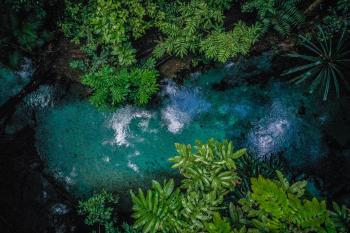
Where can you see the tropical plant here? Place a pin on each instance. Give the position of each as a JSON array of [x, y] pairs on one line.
[[341, 218], [218, 225], [159, 209], [211, 167], [126, 228], [183, 25], [209, 174], [221, 46], [198, 204], [343, 5], [251, 166], [327, 60], [22, 29], [98, 210], [336, 20], [114, 87], [109, 24], [277, 206], [281, 15]]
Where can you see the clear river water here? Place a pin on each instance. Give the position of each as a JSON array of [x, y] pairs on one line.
[[87, 149]]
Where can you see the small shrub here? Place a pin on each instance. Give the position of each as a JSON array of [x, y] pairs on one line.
[[115, 87], [277, 206], [98, 211]]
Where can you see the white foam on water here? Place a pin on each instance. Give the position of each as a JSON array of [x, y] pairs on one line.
[[184, 104], [69, 180], [74, 172], [271, 137], [175, 119], [229, 65], [120, 122], [41, 98], [133, 166], [135, 154], [106, 159]]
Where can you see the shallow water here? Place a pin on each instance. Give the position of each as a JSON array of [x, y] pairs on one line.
[[88, 149], [13, 81]]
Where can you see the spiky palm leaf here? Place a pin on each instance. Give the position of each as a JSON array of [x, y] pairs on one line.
[[326, 61], [158, 209]]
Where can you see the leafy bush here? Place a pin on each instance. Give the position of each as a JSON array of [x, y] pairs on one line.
[[251, 166], [335, 21], [184, 24], [343, 5], [210, 168], [277, 206], [219, 225], [109, 24], [209, 174], [114, 87], [106, 30], [22, 28], [341, 218], [281, 15], [98, 210], [221, 46], [327, 60], [159, 209]]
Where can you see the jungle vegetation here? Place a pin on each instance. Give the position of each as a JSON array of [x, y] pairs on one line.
[[119, 37], [110, 33], [124, 42], [211, 174], [24, 29]]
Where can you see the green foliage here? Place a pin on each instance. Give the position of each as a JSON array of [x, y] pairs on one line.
[[221, 46], [107, 29], [327, 60], [277, 206], [341, 218], [249, 166], [128, 229], [184, 24], [335, 21], [108, 24], [211, 167], [159, 209], [197, 205], [281, 15], [22, 28], [343, 5], [114, 87], [98, 210], [219, 225], [209, 174]]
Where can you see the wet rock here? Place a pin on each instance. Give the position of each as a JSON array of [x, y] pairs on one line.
[[173, 66]]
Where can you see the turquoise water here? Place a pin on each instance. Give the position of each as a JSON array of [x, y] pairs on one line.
[[88, 149], [13, 81]]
